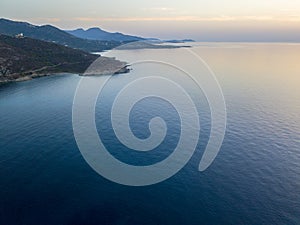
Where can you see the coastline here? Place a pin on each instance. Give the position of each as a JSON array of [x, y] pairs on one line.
[[106, 66], [101, 66], [33, 76]]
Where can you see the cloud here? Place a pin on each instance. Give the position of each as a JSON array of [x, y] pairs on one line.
[[293, 18], [160, 9], [177, 18]]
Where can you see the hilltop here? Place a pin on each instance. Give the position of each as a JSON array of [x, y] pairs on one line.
[[96, 33]]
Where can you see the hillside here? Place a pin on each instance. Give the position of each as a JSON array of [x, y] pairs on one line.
[[99, 34], [52, 34], [26, 57]]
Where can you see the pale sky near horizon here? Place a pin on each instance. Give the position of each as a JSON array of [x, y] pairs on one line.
[[256, 20]]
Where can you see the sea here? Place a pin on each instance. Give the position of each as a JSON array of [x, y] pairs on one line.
[[254, 178]]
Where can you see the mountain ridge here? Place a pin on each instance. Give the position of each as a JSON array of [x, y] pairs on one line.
[[96, 33], [53, 34]]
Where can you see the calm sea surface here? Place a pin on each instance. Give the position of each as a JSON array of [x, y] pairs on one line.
[[255, 178]]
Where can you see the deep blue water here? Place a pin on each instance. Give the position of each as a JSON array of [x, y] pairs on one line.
[[255, 179]]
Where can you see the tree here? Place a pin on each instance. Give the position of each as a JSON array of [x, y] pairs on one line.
[[4, 71]]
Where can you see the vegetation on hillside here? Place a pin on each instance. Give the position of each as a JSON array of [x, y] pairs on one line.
[[21, 57], [52, 34]]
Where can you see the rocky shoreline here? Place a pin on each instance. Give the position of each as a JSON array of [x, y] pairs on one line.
[[106, 66], [101, 66]]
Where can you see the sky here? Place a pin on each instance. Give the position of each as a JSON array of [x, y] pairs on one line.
[[202, 20]]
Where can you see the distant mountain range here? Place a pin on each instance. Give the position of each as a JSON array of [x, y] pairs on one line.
[[99, 34], [90, 40], [52, 34], [96, 33]]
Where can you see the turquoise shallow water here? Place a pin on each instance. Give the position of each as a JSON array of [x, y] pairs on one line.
[[255, 179]]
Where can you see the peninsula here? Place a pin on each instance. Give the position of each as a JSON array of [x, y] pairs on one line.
[[23, 58]]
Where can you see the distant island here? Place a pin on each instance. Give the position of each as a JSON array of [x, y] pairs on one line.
[[180, 41], [149, 45]]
